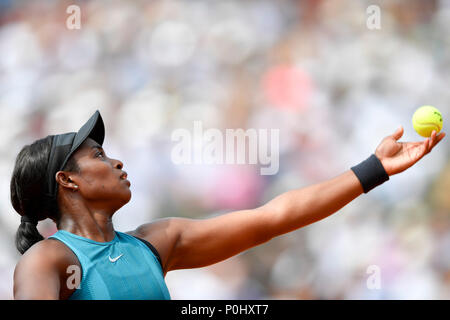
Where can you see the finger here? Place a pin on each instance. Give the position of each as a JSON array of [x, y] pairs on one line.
[[398, 133], [439, 137], [432, 140], [427, 145], [420, 150]]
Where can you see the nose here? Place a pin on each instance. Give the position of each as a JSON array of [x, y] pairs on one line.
[[118, 164]]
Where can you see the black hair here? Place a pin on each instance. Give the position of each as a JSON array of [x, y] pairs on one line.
[[29, 190]]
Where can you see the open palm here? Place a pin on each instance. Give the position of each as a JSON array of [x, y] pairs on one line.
[[399, 156]]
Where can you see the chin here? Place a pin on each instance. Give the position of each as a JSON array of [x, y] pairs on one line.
[[124, 197], [127, 197]]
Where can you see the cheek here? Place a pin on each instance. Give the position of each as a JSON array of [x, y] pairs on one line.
[[99, 179], [102, 184]]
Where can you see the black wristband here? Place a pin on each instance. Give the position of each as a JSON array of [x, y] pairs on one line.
[[370, 173]]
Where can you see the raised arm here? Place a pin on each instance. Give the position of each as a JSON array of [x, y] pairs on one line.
[[196, 243], [204, 242]]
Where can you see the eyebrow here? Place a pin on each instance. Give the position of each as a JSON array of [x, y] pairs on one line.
[[97, 147]]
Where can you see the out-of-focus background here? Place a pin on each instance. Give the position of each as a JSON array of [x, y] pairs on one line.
[[312, 69]]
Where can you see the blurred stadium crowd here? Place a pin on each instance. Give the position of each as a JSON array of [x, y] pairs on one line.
[[312, 69]]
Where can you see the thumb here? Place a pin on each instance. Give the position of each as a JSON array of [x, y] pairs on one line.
[[398, 133]]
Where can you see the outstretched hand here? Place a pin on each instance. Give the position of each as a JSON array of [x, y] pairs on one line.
[[398, 156]]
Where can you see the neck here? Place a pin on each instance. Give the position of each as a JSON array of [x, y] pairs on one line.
[[94, 224]]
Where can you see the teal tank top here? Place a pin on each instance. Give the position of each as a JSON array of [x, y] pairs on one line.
[[125, 268]]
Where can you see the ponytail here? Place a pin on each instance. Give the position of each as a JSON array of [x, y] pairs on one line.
[[27, 235], [28, 192]]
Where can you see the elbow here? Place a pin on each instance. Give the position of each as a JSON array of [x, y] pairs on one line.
[[269, 224]]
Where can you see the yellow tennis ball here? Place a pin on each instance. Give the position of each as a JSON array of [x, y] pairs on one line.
[[426, 119]]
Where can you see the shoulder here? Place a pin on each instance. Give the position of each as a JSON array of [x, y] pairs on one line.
[[160, 231], [47, 252], [47, 261], [158, 224]]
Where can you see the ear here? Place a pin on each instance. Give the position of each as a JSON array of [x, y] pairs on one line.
[[66, 180]]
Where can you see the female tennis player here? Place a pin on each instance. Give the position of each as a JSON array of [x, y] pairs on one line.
[[70, 179]]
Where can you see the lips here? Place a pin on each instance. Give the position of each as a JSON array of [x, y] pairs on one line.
[[123, 177]]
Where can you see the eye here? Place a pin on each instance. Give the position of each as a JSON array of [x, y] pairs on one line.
[[99, 154]]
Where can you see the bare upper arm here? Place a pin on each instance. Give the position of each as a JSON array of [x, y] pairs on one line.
[[41, 273], [192, 243], [203, 242]]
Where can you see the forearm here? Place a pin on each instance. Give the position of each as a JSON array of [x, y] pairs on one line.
[[298, 208]]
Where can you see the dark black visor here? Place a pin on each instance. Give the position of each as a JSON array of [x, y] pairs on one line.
[[64, 145]]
